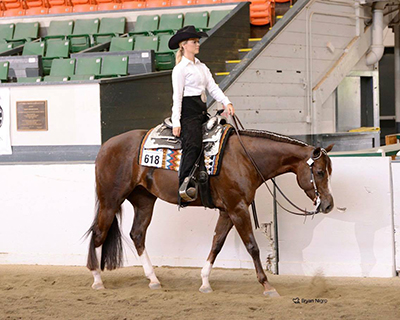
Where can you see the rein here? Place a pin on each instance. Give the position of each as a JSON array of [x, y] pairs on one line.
[[310, 162]]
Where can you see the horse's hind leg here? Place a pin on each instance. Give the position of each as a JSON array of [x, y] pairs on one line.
[[143, 203], [224, 225], [104, 224], [242, 222]]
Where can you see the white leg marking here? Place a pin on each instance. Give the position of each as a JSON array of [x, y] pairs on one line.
[[205, 274], [98, 283], [149, 271]]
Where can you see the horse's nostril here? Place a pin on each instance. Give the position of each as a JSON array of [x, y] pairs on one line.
[[328, 208]]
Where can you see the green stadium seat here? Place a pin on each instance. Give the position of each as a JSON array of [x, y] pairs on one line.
[[62, 67], [169, 23], [197, 19], [121, 44], [5, 47], [25, 32], [165, 57], [109, 28], [6, 31], [4, 65], [145, 25], [80, 38], [59, 29], [146, 43], [114, 66], [82, 77], [87, 66], [55, 78], [29, 79], [55, 49], [216, 16], [34, 48]]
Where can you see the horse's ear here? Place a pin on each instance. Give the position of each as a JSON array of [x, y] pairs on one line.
[[316, 152], [329, 148]]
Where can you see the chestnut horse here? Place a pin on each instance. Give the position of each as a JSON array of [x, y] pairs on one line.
[[120, 177]]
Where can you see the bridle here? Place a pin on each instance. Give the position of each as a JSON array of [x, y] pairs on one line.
[[310, 163]]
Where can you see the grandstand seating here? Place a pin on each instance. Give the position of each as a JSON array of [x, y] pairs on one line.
[[56, 48], [121, 44], [215, 17], [157, 3], [165, 57], [24, 32], [5, 47], [109, 27], [87, 67], [34, 48], [146, 43], [169, 23], [6, 31], [133, 5], [260, 12], [35, 7], [61, 70], [113, 66], [83, 29], [59, 29], [106, 5], [83, 6], [176, 3], [29, 79], [64, 38], [145, 24], [59, 6], [4, 67], [197, 19]]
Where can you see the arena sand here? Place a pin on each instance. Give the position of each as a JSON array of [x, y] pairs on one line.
[[51, 292]]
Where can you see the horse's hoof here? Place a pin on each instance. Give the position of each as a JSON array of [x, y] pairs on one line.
[[205, 289], [272, 293], [155, 285], [98, 286]]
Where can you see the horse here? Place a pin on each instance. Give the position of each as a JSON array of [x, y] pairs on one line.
[[120, 177]]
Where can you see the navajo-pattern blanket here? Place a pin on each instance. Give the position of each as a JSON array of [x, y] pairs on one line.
[[170, 158]]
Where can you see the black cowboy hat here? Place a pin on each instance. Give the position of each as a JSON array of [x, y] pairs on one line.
[[183, 34]]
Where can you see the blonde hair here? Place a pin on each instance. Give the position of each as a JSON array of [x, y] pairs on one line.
[[179, 53]]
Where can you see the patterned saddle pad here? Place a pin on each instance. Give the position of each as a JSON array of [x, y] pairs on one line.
[[160, 149]]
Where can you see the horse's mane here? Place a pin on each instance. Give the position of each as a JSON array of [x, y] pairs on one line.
[[272, 136]]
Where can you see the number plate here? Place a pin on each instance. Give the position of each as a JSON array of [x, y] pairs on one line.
[[152, 158]]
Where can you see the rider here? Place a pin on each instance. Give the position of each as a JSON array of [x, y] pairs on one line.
[[190, 79]]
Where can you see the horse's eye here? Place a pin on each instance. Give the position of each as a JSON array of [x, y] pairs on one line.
[[321, 173]]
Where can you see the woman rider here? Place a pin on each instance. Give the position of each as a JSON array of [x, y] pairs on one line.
[[190, 79]]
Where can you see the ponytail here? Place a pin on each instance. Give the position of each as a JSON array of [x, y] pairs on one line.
[[179, 53]]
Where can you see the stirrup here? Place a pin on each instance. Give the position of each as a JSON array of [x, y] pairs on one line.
[[183, 191]]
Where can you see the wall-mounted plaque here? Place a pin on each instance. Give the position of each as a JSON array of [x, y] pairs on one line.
[[32, 116]]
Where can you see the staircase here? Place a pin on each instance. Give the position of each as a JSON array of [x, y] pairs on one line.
[[286, 81]]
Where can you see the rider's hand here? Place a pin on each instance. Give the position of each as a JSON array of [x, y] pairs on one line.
[[176, 131], [230, 109]]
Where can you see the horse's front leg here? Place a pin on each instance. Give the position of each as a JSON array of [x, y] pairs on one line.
[[224, 225], [241, 220]]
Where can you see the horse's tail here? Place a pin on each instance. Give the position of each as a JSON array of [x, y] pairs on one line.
[[111, 252]]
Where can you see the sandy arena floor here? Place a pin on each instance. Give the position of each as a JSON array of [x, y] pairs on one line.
[[51, 292]]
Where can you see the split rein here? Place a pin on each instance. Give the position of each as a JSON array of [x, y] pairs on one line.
[[310, 162]]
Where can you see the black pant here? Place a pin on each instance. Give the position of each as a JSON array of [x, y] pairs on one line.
[[193, 115]]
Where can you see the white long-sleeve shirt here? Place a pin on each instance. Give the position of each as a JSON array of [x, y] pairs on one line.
[[192, 79]]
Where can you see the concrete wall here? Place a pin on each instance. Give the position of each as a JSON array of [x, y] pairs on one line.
[[45, 210], [73, 114], [396, 210], [357, 242]]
